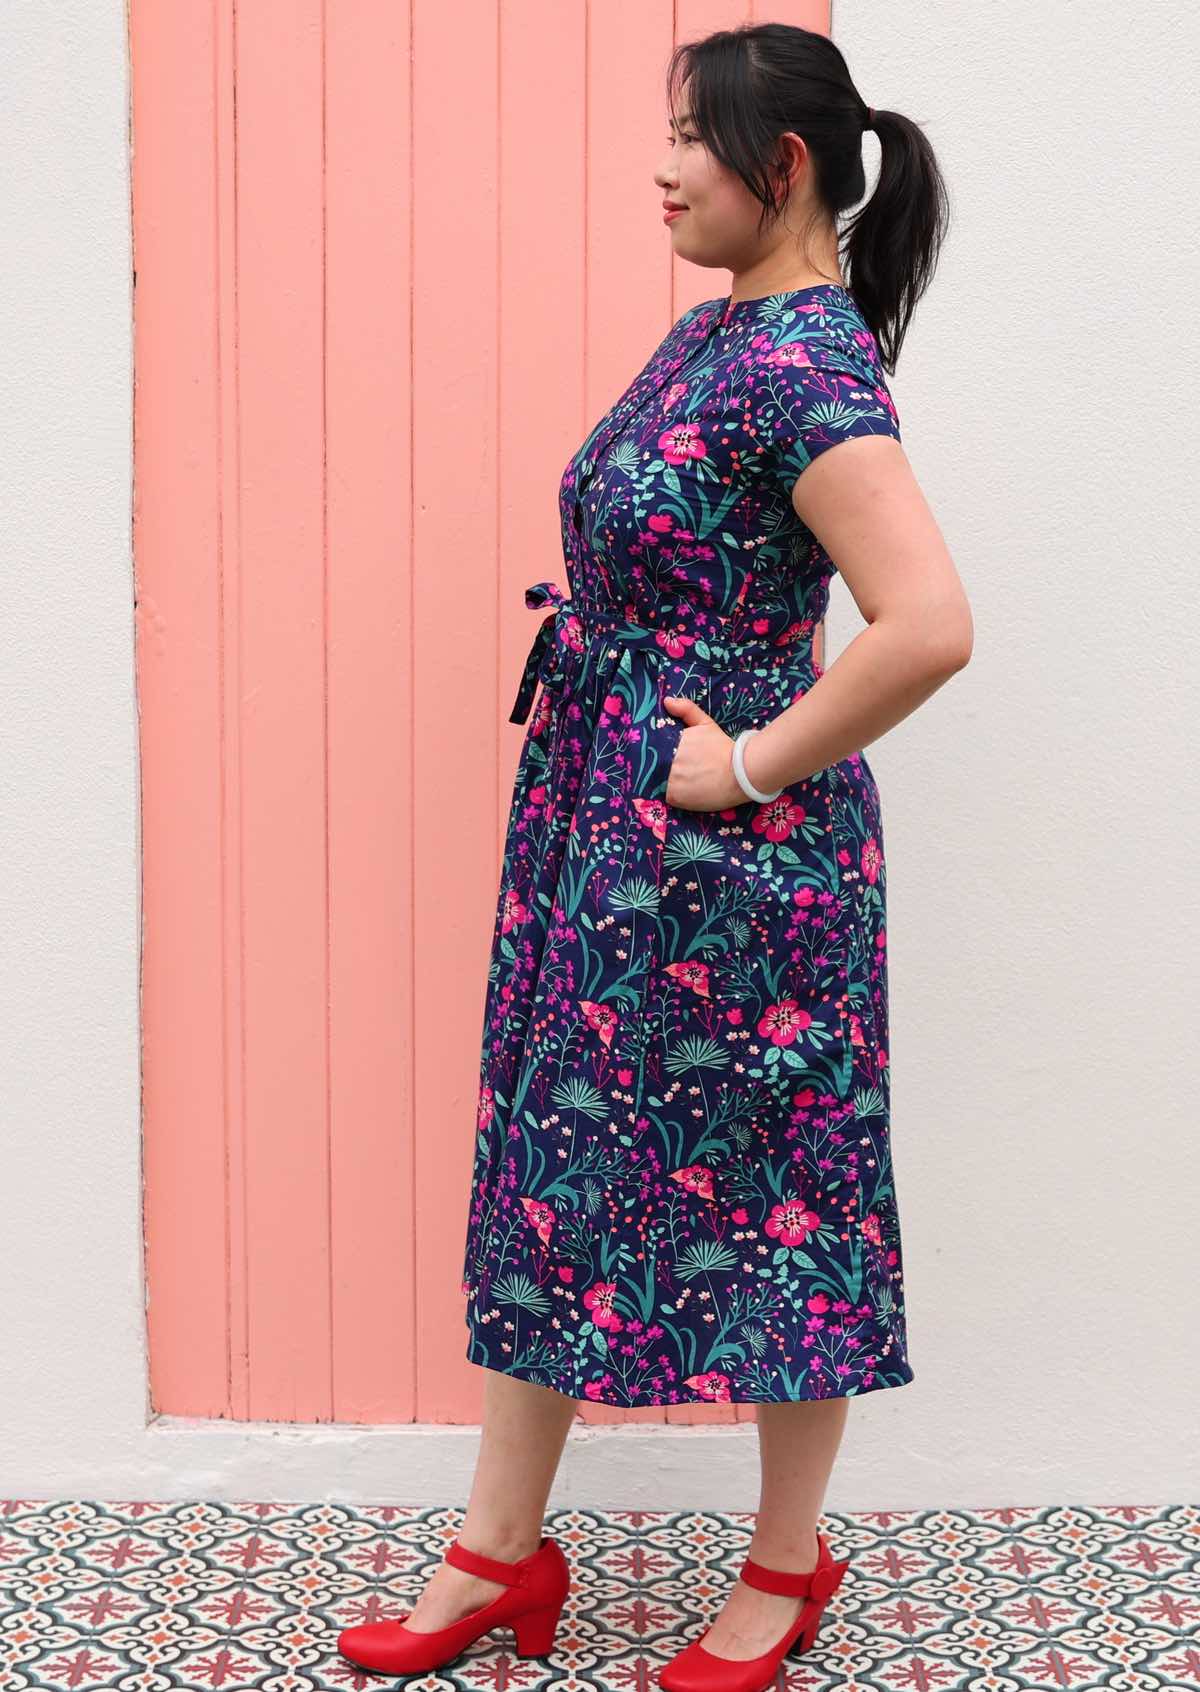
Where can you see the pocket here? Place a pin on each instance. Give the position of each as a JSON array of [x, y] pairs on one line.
[[663, 733]]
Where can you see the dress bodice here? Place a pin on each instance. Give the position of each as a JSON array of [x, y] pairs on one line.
[[680, 495]]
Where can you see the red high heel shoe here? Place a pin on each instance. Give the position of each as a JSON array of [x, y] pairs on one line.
[[696, 1670], [537, 1589]]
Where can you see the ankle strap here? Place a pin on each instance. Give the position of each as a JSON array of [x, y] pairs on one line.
[[487, 1568], [817, 1582]]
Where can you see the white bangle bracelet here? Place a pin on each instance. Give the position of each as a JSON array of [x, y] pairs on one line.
[[739, 770]]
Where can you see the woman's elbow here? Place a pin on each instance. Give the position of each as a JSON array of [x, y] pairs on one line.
[[963, 642], [948, 638]]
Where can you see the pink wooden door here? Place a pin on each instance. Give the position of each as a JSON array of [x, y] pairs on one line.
[[360, 249]]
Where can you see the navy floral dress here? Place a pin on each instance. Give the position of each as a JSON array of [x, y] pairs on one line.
[[682, 1187]]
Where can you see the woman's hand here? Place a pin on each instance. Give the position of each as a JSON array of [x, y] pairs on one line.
[[701, 776]]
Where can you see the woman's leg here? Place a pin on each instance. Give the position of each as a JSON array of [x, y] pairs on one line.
[[797, 1445], [524, 1430]]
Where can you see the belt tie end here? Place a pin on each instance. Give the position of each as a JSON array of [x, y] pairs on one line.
[[540, 593], [529, 675]]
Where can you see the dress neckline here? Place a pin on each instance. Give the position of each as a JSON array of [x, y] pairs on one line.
[[729, 309]]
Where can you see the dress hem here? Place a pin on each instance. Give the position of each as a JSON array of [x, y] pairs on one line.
[[903, 1378]]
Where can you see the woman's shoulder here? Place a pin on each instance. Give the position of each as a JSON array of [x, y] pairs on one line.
[[822, 382], [836, 336]]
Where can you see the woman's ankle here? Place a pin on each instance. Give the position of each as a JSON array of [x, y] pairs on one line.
[[506, 1545], [798, 1554]]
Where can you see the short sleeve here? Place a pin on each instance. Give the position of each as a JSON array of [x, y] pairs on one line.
[[818, 396]]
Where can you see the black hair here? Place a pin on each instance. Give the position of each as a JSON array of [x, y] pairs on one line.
[[747, 86]]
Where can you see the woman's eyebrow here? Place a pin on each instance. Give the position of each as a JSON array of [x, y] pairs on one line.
[[684, 122]]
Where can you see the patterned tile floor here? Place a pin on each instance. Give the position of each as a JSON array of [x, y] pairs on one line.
[[144, 1597]]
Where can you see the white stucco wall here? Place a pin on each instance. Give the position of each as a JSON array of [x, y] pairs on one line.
[[1039, 812]]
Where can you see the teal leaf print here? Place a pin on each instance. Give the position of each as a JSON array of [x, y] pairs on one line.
[[831, 414], [625, 458], [692, 846], [705, 1257], [579, 1094], [523, 1292], [635, 894], [696, 1052]]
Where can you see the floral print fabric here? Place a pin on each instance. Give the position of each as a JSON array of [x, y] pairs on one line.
[[683, 1188]]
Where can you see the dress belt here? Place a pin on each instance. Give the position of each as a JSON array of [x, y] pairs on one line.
[[595, 628]]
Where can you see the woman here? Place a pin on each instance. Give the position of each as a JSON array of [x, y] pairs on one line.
[[683, 1185]]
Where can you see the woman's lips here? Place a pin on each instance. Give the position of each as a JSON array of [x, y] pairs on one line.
[[673, 213]]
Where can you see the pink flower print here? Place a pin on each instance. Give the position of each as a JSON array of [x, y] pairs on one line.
[[595, 1389], [566, 1273], [783, 1021], [856, 1030], [791, 1223], [734, 1016], [540, 1216], [673, 643], [694, 1178], [612, 704], [600, 1017], [870, 1228], [795, 353], [818, 1304], [513, 913], [487, 1108], [682, 442], [872, 860], [572, 631], [625, 1076], [653, 813], [779, 818], [714, 1386], [660, 524], [674, 393], [542, 712], [599, 1300], [740, 1215], [692, 974]]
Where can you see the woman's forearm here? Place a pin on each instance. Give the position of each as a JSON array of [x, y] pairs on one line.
[[884, 673]]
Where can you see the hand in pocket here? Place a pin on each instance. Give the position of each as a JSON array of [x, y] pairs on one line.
[[701, 777]]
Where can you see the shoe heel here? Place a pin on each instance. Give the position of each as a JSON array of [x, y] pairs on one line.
[[535, 1630], [816, 1608], [808, 1635]]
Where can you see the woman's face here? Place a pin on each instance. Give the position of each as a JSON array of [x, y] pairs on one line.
[[720, 225], [720, 217]]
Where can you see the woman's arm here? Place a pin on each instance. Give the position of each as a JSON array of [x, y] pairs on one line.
[[864, 505], [861, 500]]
